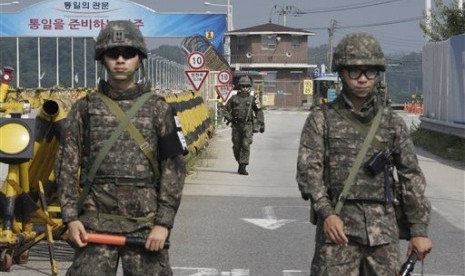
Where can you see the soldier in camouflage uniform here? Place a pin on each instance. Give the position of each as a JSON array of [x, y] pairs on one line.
[[127, 196], [240, 111], [363, 238]]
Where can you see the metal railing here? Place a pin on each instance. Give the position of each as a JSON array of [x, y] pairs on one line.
[[266, 58]]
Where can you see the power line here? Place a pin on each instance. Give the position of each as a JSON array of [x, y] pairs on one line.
[[383, 23], [350, 7], [370, 25]]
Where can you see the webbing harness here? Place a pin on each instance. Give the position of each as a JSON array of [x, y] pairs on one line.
[[125, 123], [369, 135]]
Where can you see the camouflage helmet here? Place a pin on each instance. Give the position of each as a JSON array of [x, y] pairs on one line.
[[244, 80], [119, 33], [358, 49]]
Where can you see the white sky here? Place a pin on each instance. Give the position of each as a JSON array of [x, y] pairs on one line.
[[378, 17]]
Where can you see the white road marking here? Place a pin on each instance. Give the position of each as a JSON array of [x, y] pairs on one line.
[[270, 222]]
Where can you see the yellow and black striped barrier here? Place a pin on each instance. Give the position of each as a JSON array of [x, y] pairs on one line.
[[193, 114]]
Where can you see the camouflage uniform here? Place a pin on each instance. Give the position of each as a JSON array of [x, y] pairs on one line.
[[328, 147], [240, 111], [125, 185]]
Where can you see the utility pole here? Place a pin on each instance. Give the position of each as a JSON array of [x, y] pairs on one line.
[[331, 29], [428, 14], [285, 11]]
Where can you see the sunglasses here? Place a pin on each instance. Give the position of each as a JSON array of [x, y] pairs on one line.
[[125, 52], [244, 86], [356, 73]]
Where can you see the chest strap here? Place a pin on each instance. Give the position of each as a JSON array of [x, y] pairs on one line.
[[124, 123], [359, 126], [358, 162], [133, 131]]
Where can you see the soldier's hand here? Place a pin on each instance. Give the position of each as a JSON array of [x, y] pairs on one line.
[[422, 245], [333, 228], [262, 128], [156, 238], [77, 232]]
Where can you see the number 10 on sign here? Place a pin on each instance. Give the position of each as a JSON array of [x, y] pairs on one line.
[[196, 60]]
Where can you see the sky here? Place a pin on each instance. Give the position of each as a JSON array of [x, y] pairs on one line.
[[395, 23]]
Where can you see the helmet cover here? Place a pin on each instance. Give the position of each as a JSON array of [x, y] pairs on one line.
[[119, 33], [358, 49]]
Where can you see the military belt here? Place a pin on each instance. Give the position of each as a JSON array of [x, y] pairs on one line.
[[124, 181], [118, 217]]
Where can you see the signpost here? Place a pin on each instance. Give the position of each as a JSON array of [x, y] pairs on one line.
[[224, 91], [196, 77], [196, 60], [224, 77]]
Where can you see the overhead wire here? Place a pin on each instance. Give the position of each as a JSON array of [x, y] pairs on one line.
[[349, 7]]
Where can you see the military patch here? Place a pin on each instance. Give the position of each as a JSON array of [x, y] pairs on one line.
[[257, 102], [117, 36]]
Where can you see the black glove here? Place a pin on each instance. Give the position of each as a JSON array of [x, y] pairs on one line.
[[262, 128], [305, 196]]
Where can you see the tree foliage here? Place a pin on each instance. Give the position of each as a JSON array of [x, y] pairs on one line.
[[444, 22]]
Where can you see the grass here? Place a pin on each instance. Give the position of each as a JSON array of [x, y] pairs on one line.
[[449, 147]]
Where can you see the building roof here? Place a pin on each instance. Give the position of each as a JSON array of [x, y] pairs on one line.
[[270, 28]]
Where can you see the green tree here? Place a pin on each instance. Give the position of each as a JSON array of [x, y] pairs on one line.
[[444, 22]]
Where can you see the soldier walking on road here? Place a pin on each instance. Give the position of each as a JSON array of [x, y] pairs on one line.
[[240, 111], [357, 165], [123, 145]]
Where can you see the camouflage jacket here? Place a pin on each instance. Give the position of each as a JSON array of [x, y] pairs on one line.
[[243, 107], [124, 184], [369, 219]]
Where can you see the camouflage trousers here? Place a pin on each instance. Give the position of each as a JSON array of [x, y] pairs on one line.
[[355, 260], [242, 135], [102, 260]]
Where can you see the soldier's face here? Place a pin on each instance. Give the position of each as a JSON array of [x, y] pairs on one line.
[[360, 80], [122, 63], [245, 88]]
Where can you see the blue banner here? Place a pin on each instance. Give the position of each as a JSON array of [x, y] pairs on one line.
[[61, 18]]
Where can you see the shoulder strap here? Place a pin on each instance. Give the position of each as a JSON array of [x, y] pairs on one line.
[[363, 129], [252, 99], [125, 123], [358, 161], [133, 131]]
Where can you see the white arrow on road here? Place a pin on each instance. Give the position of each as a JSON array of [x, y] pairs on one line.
[[270, 222]]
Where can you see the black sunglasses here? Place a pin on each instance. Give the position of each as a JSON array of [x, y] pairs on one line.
[[244, 86], [125, 52], [356, 73]]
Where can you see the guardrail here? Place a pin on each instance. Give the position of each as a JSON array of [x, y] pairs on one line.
[[443, 127]]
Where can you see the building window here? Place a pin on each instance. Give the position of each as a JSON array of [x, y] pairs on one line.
[[296, 41], [242, 43], [269, 80], [269, 42], [295, 75]]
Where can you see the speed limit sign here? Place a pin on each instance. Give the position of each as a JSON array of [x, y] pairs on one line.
[[224, 77], [196, 60]]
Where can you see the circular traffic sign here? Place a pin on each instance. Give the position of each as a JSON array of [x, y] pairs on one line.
[[224, 77], [196, 60]]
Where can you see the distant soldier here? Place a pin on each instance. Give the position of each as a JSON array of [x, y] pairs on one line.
[[345, 166], [240, 111], [120, 145]]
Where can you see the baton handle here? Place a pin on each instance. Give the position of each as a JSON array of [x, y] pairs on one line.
[[118, 240]]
